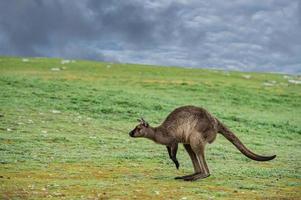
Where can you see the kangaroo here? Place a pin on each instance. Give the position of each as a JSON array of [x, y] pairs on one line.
[[194, 127]]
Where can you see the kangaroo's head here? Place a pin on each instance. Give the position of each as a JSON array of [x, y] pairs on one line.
[[141, 130]]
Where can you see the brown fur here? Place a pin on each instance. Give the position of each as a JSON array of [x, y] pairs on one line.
[[194, 127]]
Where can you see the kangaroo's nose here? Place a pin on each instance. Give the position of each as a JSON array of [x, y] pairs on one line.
[[131, 134]]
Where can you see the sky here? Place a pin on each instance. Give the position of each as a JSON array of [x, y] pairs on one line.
[[245, 35]]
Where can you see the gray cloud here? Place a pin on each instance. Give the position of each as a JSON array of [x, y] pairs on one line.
[[248, 35]]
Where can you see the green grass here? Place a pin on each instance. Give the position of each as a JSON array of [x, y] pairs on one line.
[[64, 134]]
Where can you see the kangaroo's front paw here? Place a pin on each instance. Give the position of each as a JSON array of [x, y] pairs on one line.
[[176, 163]]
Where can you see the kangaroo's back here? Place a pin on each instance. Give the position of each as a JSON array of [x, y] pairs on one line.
[[188, 114], [188, 119]]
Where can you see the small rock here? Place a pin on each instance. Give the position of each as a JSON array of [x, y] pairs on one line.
[[55, 69], [157, 192], [56, 111], [246, 76], [65, 62], [286, 77], [58, 194], [25, 59], [8, 129], [268, 84], [284, 84], [294, 81]]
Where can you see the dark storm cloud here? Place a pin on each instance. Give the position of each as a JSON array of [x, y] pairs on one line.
[[241, 34]]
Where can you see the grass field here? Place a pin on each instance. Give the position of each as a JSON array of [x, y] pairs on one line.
[[64, 131]]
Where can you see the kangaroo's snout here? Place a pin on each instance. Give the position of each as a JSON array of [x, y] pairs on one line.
[[131, 133]]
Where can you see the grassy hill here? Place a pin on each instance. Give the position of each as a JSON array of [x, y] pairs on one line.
[[64, 131]]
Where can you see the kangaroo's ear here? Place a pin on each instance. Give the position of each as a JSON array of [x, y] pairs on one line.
[[143, 122]]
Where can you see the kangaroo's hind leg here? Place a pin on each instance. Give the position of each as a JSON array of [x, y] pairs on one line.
[[194, 160], [198, 148]]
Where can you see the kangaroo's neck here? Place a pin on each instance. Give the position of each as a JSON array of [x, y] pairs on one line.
[[158, 135]]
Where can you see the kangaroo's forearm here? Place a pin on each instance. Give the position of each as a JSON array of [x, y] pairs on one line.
[[172, 152]]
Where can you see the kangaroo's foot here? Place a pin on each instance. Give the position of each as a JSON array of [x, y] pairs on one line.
[[187, 176], [196, 177]]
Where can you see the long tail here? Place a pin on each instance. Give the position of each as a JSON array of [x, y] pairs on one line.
[[239, 145]]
